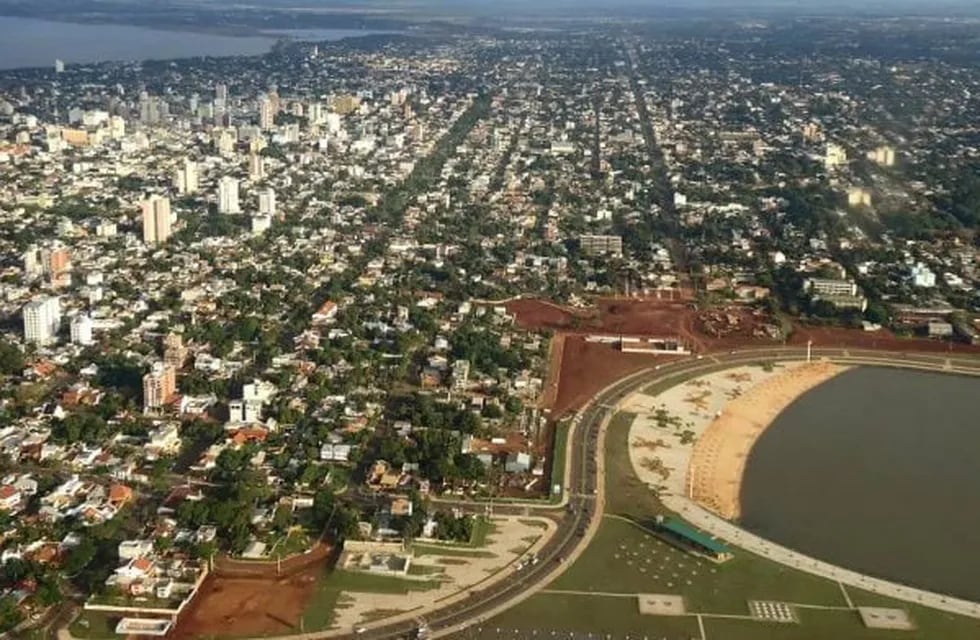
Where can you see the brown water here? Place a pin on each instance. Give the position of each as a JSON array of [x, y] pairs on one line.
[[877, 470]]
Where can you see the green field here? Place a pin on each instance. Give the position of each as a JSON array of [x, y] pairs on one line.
[[623, 558], [558, 459], [595, 593], [94, 625], [585, 614], [320, 611]]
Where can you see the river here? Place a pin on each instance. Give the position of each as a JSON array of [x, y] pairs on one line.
[[876, 471], [26, 42]]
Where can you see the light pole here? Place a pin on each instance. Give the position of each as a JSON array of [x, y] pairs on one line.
[[809, 345]]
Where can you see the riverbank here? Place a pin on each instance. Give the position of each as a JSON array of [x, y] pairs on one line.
[[718, 460]]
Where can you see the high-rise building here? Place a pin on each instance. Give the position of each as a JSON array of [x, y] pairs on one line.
[[58, 266], [221, 91], [174, 351], [117, 127], [267, 114], [52, 262], [81, 329], [256, 167], [185, 178], [33, 263], [225, 142], [42, 319], [150, 112], [316, 113], [228, 195], [275, 99], [59, 66], [159, 385], [156, 220], [267, 202]]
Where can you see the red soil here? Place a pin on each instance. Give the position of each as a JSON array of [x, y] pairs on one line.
[[233, 603]]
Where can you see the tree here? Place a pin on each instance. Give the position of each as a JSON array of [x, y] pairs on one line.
[[11, 359], [10, 614]]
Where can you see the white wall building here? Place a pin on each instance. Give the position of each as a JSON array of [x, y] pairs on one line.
[[267, 202], [81, 329], [157, 222], [228, 195], [923, 276], [185, 178], [836, 156], [42, 319]]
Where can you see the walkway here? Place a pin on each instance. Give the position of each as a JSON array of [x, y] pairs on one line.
[[725, 530]]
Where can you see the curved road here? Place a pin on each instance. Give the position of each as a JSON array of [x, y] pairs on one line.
[[581, 510], [580, 516]]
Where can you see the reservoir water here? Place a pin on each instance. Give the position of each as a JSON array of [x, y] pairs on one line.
[[26, 42], [877, 471]]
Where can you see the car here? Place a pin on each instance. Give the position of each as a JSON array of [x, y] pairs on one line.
[[360, 630]]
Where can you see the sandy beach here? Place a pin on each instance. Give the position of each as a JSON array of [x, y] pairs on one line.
[[714, 476]]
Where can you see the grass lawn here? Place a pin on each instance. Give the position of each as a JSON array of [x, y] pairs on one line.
[[631, 496], [817, 624], [298, 541], [94, 625], [558, 459], [625, 559], [482, 527], [449, 551], [320, 610], [585, 614]]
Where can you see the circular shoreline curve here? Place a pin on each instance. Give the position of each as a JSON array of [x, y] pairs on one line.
[[680, 501]]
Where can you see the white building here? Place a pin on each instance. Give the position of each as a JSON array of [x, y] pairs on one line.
[[157, 223], [185, 178], [228, 195], [42, 318], [256, 167], [836, 156], [244, 411], [858, 196], [260, 224], [923, 276], [105, 229], [81, 329], [884, 156], [267, 202], [831, 287], [267, 113]]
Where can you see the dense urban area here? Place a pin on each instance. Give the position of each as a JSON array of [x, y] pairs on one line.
[[313, 303]]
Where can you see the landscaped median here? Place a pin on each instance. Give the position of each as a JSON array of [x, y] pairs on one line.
[[438, 573]]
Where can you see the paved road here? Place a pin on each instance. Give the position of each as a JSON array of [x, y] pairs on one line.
[[579, 513]]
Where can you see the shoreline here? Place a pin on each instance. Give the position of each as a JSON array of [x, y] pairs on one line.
[[718, 458]]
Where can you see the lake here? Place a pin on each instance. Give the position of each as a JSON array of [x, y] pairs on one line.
[[27, 42], [877, 471]]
